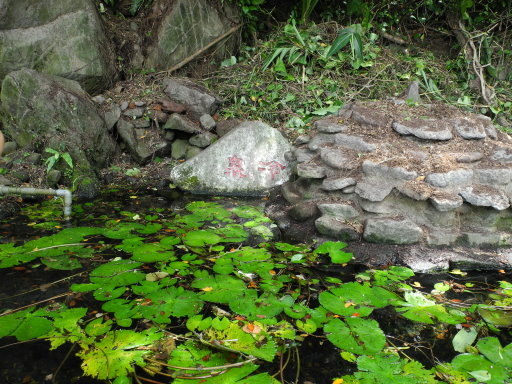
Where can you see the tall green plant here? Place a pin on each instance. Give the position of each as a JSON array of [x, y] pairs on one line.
[[350, 35], [307, 7]]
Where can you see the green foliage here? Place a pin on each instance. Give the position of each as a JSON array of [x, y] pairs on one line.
[[307, 7], [183, 296], [55, 158], [350, 35], [356, 335], [390, 368], [492, 364], [251, 10], [334, 250]]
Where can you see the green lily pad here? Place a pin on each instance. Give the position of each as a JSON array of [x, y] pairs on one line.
[[201, 238], [356, 335], [117, 273], [152, 252]]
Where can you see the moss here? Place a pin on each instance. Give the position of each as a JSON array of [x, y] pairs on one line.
[[504, 224], [191, 182]]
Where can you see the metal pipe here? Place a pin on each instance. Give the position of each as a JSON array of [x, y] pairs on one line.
[[40, 191]]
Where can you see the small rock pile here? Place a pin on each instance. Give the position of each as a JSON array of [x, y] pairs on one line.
[[394, 173], [180, 125]]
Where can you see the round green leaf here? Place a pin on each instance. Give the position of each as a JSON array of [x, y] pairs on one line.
[[356, 335]]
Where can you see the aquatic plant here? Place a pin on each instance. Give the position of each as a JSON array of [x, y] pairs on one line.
[[187, 297]]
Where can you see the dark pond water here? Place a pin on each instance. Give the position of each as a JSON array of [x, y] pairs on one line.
[[313, 361]]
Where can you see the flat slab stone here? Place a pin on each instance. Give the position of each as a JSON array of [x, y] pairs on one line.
[[197, 98], [469, 157], [373, 190], [353, 142], [329, 125], [485, 196], [207, 122], [392, 231], [321, 140], [338, 229], [445, 201], [249, 160], [337, 183], [438, 237], [180, 123], [134, 112], [341, 211], [428, 129], [141, 147], [395, 173], [493, 176], [365, 115], [469, 129], [304, 210], [349, 189], [502, 155], [339, 158], [311, 170], [416, 190], [303, 155], [453, 178], [203, 139], [491, 132]]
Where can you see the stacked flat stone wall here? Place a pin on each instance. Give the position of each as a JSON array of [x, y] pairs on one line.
[[393, 173]]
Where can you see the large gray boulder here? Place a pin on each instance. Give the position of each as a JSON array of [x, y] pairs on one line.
[[43, 111], [249, 160], [59, 37], [185, 27]]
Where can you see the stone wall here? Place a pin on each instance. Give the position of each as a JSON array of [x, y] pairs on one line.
[[393, 173]]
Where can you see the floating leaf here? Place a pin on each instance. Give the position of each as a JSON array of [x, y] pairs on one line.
[[421, 309], [391, 369], [153, 252], [62, 262], [236, 339], [105, 293], [201, 238], [117, 273], [32, 327], [189, 354], [334, 250], [98, 327], [464, 338], [491, 348], [361, 299], [122, 230], [171, 301], [356, 335], [232, 233], [224, 288], [116, 353], [266, 306], [150, 228]]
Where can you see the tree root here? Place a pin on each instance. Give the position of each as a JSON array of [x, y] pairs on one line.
[[472, 54]]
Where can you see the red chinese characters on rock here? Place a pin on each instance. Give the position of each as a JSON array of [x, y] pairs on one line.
[[236, 167], [273, 167]]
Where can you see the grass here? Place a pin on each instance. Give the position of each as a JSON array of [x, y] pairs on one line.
[[305, 84]]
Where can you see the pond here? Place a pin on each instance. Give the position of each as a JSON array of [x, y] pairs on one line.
[[139, 289]]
